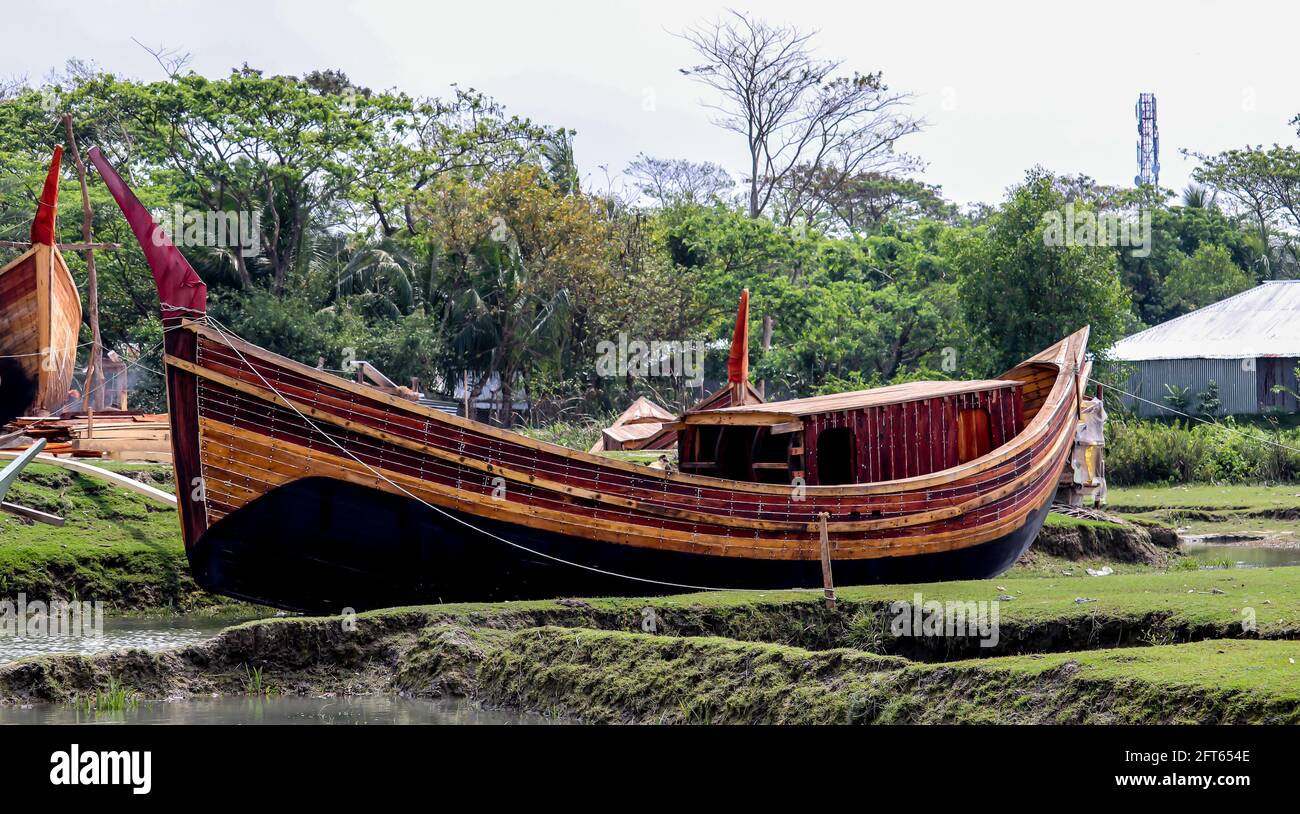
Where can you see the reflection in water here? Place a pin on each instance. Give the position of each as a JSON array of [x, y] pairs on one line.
[[1245, 556], [366, 709], [119, 634]]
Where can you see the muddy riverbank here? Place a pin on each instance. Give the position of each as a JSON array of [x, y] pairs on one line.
[[1183, 654]]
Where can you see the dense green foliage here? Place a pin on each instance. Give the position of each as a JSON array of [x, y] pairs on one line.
[[439, 238], [1159, 452]]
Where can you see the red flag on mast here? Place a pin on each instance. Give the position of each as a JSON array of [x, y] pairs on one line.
[[738, 359], [182, 292], [43, 226]]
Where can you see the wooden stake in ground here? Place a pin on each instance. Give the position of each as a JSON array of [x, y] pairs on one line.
[[828, 584], [93, 364]]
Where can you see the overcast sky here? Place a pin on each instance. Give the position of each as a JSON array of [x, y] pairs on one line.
[[1002, 90]]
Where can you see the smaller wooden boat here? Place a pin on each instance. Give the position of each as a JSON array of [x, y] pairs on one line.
[[40, 318]]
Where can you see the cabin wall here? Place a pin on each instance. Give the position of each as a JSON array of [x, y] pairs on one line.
[[913, 438]]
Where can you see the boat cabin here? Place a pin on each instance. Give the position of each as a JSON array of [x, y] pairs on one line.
[[887, 433]]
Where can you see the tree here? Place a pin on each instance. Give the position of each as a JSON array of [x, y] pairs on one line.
[[792, 109], [1177, 233], [676, 180], [1197, 196], [1264, 185], [1020, 293], [520, 264], [1206, 277], [863, 202]]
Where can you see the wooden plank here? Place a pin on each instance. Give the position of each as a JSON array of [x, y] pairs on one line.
[[614, 532], [10, 474], [32, 514], [102, 474], [67, 247], [828, 583]]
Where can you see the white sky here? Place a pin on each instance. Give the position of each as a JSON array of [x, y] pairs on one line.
[[1002, 90]]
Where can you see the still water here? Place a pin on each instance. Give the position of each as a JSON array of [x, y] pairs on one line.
[[119, 634], [358, 710], [160, 634], [1244, 556]]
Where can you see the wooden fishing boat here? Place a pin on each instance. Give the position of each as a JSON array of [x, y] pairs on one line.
[[307, 491], [40, 317]]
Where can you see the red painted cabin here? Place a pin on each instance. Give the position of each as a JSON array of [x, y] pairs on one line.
[[888, 433]]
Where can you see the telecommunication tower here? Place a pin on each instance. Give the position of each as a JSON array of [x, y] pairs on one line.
[[1148, 146]]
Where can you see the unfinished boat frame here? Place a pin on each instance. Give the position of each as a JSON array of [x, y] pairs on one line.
[[307, 491]]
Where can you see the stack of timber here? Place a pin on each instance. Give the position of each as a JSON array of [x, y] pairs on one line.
[[113, 435]]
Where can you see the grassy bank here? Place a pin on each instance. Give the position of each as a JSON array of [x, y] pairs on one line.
[[116, 546], [1270, 511], [501, 657], [628, 677]]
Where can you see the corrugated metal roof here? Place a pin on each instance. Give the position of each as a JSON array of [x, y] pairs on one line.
[[1261, 321]]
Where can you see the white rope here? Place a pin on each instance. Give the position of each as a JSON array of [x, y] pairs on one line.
[[137, 363], [1166, 408], [377, 473], [39, 353]]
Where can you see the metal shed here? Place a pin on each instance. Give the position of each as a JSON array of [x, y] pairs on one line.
[[1246, 344]]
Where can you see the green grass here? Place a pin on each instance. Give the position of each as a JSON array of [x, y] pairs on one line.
[[1206, 496], [1066, 521], [620, 676], [1187, 598], [1046, 565], [640, 456], [1271, 667], [114, 697], [1213, 509], [116, 546]]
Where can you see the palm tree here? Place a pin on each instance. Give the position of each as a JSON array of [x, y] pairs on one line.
[[496, 320], [383, 274], [1198, 196], [561, 165]]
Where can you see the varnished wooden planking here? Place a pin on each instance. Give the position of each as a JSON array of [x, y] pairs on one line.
[[40, 316], [267, 361], [999, 490], [725, 523], [289, 464]]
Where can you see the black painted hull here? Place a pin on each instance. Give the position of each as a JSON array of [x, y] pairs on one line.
[[17, 391], [320, 545]]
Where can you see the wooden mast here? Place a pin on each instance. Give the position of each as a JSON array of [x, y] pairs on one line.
[[93, 364]]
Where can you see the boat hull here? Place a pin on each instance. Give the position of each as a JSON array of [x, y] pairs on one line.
[[40, 317], [300, 489], [309, 493], [319, 545]]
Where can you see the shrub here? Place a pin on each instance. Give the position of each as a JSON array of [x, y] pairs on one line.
[[1175, 452]]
